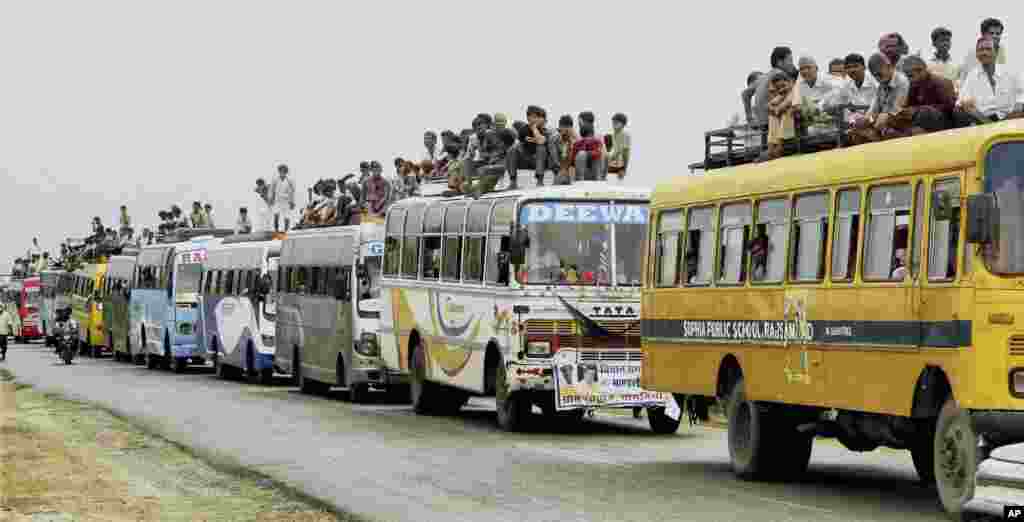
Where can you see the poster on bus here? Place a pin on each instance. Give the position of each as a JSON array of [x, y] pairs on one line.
[[598, 384]]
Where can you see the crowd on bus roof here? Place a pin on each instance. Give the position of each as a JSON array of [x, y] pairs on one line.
[[891, 94]]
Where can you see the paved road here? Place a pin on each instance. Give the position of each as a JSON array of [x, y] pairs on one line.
[[384, 461]]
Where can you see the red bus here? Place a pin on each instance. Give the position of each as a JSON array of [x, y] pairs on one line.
[[28, 308]]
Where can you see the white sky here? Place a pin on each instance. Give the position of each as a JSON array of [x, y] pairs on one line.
[[111, 102]]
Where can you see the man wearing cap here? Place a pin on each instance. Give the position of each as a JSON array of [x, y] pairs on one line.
[[941, 63], [989, 92], [813, 88], [891, 97], [282, 194]]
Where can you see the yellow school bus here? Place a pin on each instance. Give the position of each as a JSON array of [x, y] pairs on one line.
[[869, 294]]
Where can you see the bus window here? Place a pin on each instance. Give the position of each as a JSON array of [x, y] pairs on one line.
[[885, 256], [700, 256], [432, 242], [945, 234], [452, 255], [229, 282], [845, 240], [768, 251], [734, 235], [917, 240], [496, 267], [286, 280], [393, 242], [316, 281], [670, 231], [301, 279], [810, 234], [411, 242], [476, 228]]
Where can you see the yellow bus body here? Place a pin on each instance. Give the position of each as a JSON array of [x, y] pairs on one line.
[[972, 327]]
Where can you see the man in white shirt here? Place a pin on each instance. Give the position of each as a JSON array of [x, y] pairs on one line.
[[857, 93], [989, 92], [993, 29], [941, 63], [814, 88], [890, 98], [282, 198]]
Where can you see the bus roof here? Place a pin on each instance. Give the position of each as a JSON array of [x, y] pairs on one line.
[[252, 254], [267, 235], [121, 266], [585, 190], [936, 152]]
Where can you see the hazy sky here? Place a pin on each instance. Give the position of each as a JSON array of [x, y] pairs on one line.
[[111, 102]]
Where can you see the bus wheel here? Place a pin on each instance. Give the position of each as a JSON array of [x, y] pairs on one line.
[[514, 408], [358, 393], [956, 457], [267, 376], [922, 452], [424, 394], [151, 361], [305, 384], [660, 422], [180, 364], [749, 440]]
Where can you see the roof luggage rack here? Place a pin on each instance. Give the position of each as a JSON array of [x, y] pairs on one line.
[[185, 234], [267, 235], [742, 144]]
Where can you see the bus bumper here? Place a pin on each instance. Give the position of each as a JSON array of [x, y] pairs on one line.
[[999, 427], [377, 376], [188, 351], [536, 377]]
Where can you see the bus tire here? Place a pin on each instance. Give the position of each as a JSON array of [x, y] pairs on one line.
[[305, 384], [423, 393], [922, 452], [358, 393], [166, 360], [514, 408], [251, 375], [955, 453], [267, 376], [750, 448], [151, 361], [180, 364], [660, 422]]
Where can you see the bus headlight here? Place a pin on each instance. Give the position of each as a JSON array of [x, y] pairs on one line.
[[538, 349], [185, 329], [368, 345], [1017, 382]]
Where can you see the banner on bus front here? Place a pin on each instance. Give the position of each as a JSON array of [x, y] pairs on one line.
[[600, 384]]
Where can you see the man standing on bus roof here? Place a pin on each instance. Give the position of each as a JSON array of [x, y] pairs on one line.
[[208, 210], [622, 144], [282, 198], [197, 217]]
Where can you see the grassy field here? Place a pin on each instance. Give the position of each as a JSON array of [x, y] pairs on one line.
[[63, 460]]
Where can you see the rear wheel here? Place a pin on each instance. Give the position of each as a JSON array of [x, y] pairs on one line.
[[660, 422], [305, 384], [358, 393], [180, 365], [955, 452], [152, 361], [424, 394], [760, 444]]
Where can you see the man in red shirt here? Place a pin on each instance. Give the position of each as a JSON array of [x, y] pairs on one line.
[[587, 152], [930, 103]]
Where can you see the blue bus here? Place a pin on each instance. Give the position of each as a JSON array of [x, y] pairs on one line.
[[165, 305]]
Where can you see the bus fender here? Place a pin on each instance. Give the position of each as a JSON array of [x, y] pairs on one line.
[[930, 392], [729, 371]]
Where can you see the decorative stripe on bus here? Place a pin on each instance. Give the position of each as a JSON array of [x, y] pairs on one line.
[[941, 334]]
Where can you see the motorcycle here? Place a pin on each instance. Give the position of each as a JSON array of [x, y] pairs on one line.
[[67, 343]]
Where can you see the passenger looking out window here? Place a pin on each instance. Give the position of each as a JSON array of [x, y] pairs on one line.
[[887, 232]]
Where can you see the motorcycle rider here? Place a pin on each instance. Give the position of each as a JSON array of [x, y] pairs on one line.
[[66, 325]]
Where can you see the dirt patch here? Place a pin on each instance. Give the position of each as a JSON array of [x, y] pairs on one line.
[[62, 460]]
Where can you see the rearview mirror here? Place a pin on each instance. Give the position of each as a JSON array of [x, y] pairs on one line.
[[942, 206], [517, 247], [982, 218]]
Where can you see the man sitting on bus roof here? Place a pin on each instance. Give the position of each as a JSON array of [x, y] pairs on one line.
[[990, 92], [854, 95], [198, 217], [891, 96], [930, 103], [243, 225], [537, 148]]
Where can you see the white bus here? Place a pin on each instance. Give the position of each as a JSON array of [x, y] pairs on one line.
[[238, 305], [531, 296], [329, 310]]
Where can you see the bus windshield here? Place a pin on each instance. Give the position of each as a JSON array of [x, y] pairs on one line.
[[571, 243], [369, 286], [1004, 176]]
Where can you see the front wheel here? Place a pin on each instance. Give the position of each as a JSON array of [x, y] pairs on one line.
[[660, 421], [956, 457], [514, 408]]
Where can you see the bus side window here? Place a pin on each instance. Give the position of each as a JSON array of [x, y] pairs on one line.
[[733, 238], [451, 257], [944, 231], [411, 242], [670, 233], [887, 233], [393, 242], [432, 227], [810, 235], [315, 281], [700, 255], [301, 280], [768, 248], [845, 240], [229, 282]]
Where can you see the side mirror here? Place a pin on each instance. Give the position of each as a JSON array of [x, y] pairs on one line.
[[982, 218], [942, 206], [518, 245]]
